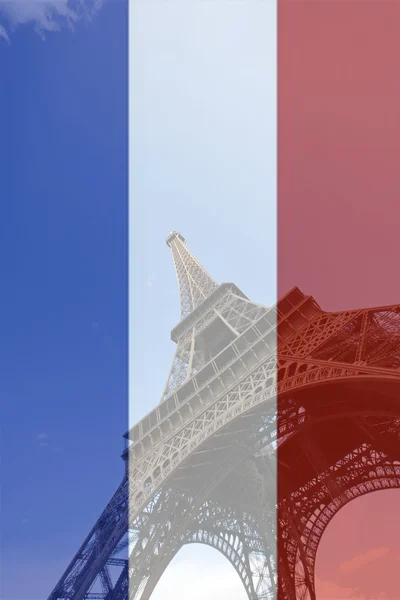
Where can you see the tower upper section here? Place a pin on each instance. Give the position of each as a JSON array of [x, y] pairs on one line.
[[195, 283]]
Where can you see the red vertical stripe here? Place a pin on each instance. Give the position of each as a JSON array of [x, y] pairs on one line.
[[339, 149], [339, 203]]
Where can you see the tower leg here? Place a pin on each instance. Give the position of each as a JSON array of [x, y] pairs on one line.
[[234, 535]]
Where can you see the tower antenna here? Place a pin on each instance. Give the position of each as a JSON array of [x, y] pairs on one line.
[[195, 283]]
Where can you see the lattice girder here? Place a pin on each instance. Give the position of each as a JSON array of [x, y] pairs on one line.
[[235, 311], [232, 531], [195, 284], [249, 400]]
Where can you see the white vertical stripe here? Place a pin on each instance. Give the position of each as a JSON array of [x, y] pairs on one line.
[[202, 161]]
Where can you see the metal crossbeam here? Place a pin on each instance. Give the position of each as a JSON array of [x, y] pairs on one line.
[[250, 388]]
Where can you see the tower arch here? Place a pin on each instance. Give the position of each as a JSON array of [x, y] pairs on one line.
[[359, 546], [346, 446], [202, 572], [251, 388]]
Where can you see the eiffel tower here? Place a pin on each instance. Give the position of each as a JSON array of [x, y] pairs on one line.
[[271, 420]]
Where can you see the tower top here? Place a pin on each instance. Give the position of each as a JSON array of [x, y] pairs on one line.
[[195, 283], [172, 236]]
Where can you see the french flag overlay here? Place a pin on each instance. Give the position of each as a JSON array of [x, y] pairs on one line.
[[202, 357]]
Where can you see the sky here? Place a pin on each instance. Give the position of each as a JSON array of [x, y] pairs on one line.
[[198, 161], [202, 160], [64, 384], [338, 215]]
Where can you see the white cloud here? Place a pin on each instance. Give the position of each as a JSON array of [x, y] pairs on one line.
[[199, 572], [150, 280], [45, 15], [363, 560], [4, 34], [329, 590], [42, 439]]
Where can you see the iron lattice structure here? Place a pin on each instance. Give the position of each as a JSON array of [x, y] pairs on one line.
[[251, 388]]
